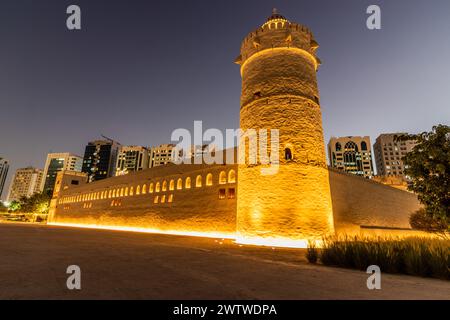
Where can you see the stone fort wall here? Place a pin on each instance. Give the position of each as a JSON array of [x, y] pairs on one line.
[[182, 198], [361, 205], [133, 201]]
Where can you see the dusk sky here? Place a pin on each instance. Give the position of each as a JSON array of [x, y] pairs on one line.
[[140, 69]]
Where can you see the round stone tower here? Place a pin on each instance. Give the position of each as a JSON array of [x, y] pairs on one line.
[[292, 204]]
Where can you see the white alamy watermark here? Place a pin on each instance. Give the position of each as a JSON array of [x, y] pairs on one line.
[[73, 21], [256, 147], [374, 280], [74, 280], [373, 22]]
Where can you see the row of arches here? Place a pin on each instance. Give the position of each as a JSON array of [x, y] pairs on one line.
[[351, 146], [153, 187]]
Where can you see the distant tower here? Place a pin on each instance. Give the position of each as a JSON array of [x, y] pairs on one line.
[[279, 91]]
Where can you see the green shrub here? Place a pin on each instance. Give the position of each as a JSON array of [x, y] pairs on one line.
[[414, 256], [312, 253]]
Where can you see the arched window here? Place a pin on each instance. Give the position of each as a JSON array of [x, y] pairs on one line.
[[209, 179], [144, 189], [351, 146], [170, 198], [187, 184], [121, 192], [352, 160], [222, 177], [164, 186], [163, 198], [180, 184], [338, 146], [126, 192], [232, 176], [150, 188], [171, 185], [114, 193], [158, 187], [155, 199], [131, 191], [364, 146], [138, 190], [198, 181], [287, 154]]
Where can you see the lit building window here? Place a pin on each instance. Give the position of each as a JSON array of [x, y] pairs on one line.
[[156, 199], [158, 187], [170, 198], [163, 198], [209, 179], [150, 188], [180, 184], [131, 191], [126, 192], [231, 193], [171, 185], [198, 181], [144, 189], [222, 177], [188, 183], [121, 192], [164, 186], [222, 194], [138, 190], [232, 176]]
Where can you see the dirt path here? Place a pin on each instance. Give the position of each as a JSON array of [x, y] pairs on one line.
[[125, 265]]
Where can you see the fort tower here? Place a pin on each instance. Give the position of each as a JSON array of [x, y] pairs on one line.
[[279, 91]]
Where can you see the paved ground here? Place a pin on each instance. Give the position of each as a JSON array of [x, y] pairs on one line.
[[125, 265]]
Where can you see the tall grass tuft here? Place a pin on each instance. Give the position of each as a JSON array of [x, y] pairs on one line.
[[414, 256], [312, 253]]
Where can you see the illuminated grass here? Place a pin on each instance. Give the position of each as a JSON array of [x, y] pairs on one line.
[[413, 256]]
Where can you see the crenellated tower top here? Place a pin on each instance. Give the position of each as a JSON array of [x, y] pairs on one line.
[[278, 32]]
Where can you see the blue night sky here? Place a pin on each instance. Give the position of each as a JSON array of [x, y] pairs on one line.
[[140, 69]]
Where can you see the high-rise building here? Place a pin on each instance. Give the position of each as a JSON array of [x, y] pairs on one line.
[[58, 162], [4, 167], [200, 150], [161, 155], [26, 182], [389, 153], [100, 157], [352, 155], [132, 158]]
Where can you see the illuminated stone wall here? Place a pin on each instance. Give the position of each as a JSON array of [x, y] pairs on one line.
[[124, 201], [279, 91], [361, 202]]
